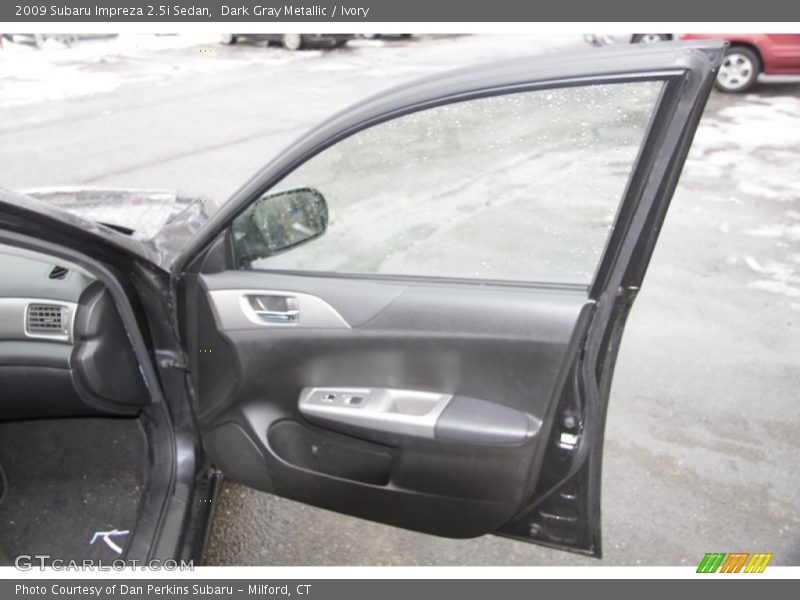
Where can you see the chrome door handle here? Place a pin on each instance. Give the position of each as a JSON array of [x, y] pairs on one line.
[[275, 308], [277, 316]]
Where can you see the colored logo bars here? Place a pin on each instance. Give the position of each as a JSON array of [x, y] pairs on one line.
[[735, 562]]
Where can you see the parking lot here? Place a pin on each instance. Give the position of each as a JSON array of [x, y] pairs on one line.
[[703, 432]]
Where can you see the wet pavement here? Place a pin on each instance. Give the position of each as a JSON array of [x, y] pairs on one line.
[[703, 431]]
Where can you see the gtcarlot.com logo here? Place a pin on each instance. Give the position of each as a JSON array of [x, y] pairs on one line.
[[28, 562], [735, 562]]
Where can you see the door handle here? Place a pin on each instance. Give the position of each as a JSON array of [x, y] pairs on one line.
[[275, 308], [278, 316], [239, 309]]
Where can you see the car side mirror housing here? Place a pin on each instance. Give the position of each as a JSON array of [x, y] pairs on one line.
[[278, 222]]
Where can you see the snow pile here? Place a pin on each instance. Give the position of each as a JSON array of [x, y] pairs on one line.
[[60, 71]]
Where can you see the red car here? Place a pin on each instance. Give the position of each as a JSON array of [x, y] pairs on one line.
[[751, 54]]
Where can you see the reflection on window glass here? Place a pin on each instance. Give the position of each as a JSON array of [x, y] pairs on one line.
[[517, 187]]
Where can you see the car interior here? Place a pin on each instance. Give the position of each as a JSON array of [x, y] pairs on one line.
[[73, 448], [388, 401], [420, 404]]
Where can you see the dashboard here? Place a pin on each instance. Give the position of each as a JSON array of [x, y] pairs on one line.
[[63, 348], [38, 298]]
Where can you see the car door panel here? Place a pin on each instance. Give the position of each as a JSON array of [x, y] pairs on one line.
[[499, 351]]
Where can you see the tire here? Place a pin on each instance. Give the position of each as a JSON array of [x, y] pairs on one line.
[[227, 39], [292, 41], [739, 70], [650, 38]]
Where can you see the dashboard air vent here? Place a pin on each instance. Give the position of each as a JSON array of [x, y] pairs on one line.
[[46, 319], [58, 273]]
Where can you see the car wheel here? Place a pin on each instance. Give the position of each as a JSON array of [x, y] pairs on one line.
[[739, 70], [650, 38], [292, 41], [227, 38]]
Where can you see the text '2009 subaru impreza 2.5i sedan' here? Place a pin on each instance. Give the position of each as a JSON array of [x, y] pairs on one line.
[[411, 315]]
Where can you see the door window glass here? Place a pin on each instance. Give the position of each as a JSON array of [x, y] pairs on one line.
[[523, 186]]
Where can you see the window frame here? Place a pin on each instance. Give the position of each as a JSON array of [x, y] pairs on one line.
[[625, 207]]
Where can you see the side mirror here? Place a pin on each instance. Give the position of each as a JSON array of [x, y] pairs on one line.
[[277, 222]]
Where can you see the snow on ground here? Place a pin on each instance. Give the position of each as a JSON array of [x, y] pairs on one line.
[[58, 71], [746, 153]]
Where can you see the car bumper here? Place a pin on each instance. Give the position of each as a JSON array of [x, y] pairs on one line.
[[325, 39]]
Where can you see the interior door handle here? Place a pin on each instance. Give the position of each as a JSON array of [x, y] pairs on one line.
[[277, 316], [242, 309], [275, 308]]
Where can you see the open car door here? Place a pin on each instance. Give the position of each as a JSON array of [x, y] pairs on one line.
[[412, 314]]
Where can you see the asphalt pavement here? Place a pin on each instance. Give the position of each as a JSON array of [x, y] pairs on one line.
[[703, 433]]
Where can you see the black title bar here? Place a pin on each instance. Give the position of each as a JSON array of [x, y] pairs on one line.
[[467, 11]]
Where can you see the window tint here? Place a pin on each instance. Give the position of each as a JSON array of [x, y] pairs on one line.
[[522, 186]]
